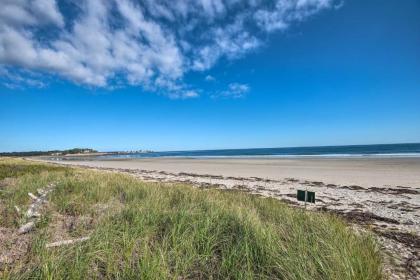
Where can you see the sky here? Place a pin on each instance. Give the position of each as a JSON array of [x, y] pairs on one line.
[[208, 74]]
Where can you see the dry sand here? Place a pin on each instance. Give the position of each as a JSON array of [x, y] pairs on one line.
[[382, 194], [367, 172]]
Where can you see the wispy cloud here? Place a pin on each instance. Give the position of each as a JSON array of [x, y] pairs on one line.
[[151, 43], [21, 79], [210, 78], [234, 90], [190, 94]]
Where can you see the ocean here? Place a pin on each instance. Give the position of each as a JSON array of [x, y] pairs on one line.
[[381, 150]]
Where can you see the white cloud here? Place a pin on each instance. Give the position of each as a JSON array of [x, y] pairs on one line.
[[209, 78], [234, 90], [190, 94], [18, 81], [30, 13], [151, 43]]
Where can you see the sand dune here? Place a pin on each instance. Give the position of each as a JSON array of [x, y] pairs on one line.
[[380, 193]]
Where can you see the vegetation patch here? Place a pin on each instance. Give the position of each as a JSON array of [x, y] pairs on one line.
[[11, 169], [160, 231]]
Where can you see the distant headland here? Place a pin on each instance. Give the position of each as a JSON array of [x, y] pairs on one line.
[[70, 152]]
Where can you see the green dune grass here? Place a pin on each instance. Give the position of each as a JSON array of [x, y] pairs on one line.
[[144, 230]]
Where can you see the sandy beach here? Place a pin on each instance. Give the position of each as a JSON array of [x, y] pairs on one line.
[[382, 194], [387, 187], [366, 172]]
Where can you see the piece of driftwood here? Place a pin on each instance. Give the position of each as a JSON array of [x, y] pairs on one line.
[[33, 209], [40, 191], [26, 228], [66, 242], [32, 214], [34, 197]]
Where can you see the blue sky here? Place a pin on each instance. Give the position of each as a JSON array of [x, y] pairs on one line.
[[117, 75]]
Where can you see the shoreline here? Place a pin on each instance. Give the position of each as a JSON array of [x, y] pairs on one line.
[[106, 156], [366, 172]]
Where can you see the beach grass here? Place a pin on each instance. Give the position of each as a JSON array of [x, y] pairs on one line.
[[141, 230]]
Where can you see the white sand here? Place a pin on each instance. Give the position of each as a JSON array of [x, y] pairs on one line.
[[365, 172]]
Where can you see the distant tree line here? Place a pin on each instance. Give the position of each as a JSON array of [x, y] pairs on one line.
[[49, 153]]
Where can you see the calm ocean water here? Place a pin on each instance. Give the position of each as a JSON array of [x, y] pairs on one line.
[[383, 150]]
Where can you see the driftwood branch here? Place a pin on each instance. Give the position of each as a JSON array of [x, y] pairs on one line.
[[33, 209], [26, 228], [66, 242], [34, 197]]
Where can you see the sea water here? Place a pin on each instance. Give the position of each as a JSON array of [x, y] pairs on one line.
[[380, 150]]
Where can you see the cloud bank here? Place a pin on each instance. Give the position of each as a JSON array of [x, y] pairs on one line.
[[149, 43]]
